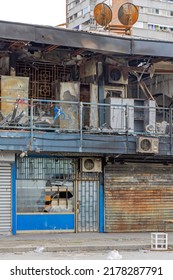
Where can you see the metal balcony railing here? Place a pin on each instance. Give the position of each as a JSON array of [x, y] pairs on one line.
[[81, 117]]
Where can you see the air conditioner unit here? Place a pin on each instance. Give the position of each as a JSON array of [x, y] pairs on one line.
[[147, 145], [115, 76], [91, 165], [150, 128]]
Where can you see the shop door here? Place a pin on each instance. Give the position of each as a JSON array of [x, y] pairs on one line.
[[87, 203]]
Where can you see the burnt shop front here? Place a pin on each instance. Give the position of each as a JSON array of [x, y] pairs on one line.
[[53, 195], [138, 197]]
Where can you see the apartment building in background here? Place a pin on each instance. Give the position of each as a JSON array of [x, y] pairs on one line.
[[155, 19]]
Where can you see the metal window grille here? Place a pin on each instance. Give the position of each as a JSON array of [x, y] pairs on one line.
[[44, 168], [43, 78]]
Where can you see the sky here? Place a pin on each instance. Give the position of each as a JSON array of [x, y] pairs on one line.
[[44, 12]]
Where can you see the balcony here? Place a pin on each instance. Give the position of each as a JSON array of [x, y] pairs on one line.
[[35, 125]]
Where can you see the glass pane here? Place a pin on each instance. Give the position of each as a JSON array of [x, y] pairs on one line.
[[45, 185]]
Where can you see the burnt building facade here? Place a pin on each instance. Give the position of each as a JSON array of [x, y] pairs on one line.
[[86, 131]]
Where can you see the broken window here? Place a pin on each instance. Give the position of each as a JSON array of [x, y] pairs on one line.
[[45, 185], [60, 200]]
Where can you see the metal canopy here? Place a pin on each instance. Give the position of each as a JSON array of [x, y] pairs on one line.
[[63, 37], [100, 43]]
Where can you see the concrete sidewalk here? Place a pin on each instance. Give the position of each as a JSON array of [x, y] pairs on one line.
[[54, 242]]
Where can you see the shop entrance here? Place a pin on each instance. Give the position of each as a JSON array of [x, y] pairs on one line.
[[45, 194], [52, 195], [87, 202]]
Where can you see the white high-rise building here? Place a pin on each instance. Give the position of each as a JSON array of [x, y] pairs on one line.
[[155, 19], [80, 13]]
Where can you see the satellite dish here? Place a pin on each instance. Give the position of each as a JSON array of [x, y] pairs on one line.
[[102, 14], [128, 14]]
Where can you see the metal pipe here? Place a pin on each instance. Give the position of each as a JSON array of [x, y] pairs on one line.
[[31, 125], [81, 124], [127, 126], [170, 124], [76, 198]]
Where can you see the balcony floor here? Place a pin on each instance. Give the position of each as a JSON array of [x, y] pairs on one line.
[[100, 144]]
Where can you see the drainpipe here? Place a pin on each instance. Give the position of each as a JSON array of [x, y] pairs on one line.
[[31, 125], [80, 125], [76, 201], [101, 203], [170, 125], [127, 127]]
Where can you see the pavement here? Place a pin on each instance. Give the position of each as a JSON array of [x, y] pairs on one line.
[[56, 242]]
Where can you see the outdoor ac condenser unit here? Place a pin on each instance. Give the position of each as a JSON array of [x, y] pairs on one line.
[[115, 76], [91, 165], [147, 145]]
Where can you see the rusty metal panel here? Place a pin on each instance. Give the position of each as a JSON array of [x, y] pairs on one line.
[[138, 197], [88, 69], [69, 92], [13, 87]]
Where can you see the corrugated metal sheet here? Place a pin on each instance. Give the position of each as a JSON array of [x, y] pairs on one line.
[[5, 197], [138, 197]]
